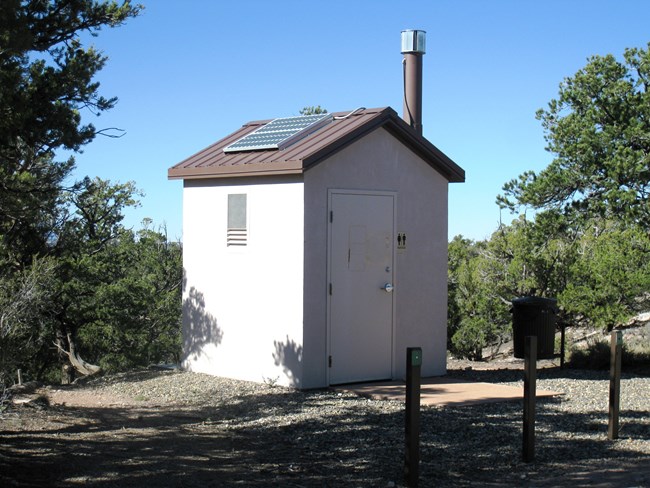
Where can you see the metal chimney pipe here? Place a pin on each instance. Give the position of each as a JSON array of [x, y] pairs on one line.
[[413, 48]]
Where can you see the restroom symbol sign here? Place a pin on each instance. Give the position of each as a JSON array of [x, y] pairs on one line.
[[401, 241]]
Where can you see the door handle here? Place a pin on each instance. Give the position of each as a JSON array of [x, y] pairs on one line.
[[388, 288]]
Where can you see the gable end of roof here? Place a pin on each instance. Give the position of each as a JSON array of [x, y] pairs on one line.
[[398, 128]]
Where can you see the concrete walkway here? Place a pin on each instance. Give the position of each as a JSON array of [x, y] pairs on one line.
[[443, 391]]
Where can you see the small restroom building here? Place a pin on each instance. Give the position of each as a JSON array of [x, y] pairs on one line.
[[315, 250]]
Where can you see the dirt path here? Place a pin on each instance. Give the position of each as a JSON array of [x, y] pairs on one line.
[[184, 430]]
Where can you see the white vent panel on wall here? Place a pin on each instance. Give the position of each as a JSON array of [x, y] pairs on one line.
[[237, 231]]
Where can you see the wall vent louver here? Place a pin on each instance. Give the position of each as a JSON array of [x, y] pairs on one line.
[[236, 237]]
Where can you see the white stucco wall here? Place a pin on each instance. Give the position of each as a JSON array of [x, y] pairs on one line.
[[380, 162], [243, 307]]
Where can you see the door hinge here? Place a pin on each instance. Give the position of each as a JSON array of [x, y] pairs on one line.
[[330, 288], [329, 361], [331, 215]]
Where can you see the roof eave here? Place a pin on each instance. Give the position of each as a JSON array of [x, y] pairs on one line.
[[280, 168]]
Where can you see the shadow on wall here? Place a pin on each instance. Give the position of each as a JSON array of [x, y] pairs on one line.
[[288, 354], [200, 328]]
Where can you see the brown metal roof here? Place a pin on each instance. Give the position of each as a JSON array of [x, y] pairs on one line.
[[212, 162]]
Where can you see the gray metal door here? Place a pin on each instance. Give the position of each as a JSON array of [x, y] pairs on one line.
[[361, 279]]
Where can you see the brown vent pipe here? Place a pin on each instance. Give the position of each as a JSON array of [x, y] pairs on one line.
[[413, 48]]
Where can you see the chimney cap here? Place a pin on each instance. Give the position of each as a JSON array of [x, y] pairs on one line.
[[414, 41]]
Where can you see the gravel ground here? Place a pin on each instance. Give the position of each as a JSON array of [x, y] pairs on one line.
[[179, 429]]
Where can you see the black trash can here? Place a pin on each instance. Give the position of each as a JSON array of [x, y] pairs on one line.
[[534, 316]]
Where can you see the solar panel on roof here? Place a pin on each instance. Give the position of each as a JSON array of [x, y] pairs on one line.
[[279, 133]]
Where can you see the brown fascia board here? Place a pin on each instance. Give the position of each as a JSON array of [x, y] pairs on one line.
[[396, 126], [252, 169]]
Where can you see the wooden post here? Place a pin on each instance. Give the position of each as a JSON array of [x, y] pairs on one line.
[[530, 380], [562, 344], [615, 384], [20, 377], [412, 423]]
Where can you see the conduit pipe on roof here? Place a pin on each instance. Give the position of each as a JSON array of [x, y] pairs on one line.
[[343, 117]]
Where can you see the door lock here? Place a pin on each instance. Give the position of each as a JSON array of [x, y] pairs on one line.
[[388, 287]]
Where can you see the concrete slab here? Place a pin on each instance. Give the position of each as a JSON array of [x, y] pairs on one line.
[[444, 391]]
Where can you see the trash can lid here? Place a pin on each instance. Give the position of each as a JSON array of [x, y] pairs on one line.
[[535, 302]]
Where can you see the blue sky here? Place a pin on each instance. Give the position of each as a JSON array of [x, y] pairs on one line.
[[188, 73]]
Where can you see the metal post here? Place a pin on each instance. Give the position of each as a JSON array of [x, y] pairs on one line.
[[530, 380], [615, 384], [412, 430], [20, 377]]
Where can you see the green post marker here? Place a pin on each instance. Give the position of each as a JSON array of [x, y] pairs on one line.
[[416, 356]]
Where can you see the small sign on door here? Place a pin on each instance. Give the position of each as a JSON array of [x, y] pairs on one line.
[[401, 241]]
